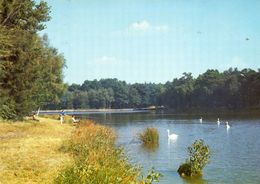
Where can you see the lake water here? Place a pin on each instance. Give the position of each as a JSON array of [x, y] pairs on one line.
[[235, 153]]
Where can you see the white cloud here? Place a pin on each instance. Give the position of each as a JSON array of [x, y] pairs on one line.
[[106, 60], [140, 26], [144, 26]]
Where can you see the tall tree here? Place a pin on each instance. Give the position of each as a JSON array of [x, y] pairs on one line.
[[31, 70], [25, 15]]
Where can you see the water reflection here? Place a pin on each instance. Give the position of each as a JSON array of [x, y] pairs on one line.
[[150, 147], [194, 180]]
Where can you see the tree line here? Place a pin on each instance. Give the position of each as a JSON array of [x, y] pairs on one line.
[[232, 89], [30, 69], [110, 93]]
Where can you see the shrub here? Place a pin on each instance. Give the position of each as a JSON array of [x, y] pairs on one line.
[[149, 137], [97, 159], [7, 112], [185, 169], [199, 155], [151, 177]]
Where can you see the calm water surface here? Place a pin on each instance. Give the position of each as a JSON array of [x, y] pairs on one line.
[[235, 153]]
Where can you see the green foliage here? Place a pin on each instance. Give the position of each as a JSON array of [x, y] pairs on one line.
[[30, 70], [7, 112], [185, 169], [199, 155], [177, 93], [151, 177], [39, 67], [210, 91], [111, 93], [149, 137], [98, 160], [5, 43], [24, 15], [134, 97]]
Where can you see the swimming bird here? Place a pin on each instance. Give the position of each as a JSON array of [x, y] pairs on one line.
[[227, 125], [172, 136], [200, 119], [218, 122]]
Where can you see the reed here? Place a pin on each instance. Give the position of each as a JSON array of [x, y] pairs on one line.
[[149, 137]]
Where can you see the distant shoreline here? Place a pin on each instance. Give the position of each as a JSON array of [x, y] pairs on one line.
[[253, 112], [91, 111]]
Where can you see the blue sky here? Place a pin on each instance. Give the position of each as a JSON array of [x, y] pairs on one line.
[[153, 40]]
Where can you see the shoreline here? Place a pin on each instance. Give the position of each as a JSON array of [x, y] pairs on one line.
[[90, 111], [45, 151], [250, 112]]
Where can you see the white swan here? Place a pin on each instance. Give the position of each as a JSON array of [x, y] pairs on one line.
[[172, 136], [227, 125], [200, 120], [218, 122]]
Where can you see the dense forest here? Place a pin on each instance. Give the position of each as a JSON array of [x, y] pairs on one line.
[[213, 90]]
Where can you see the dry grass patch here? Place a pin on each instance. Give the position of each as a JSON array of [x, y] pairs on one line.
[[67, 118], [29, 151]]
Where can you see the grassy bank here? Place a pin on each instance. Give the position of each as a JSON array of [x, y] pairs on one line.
[[96, 158], [29, 150], [48, 152]]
